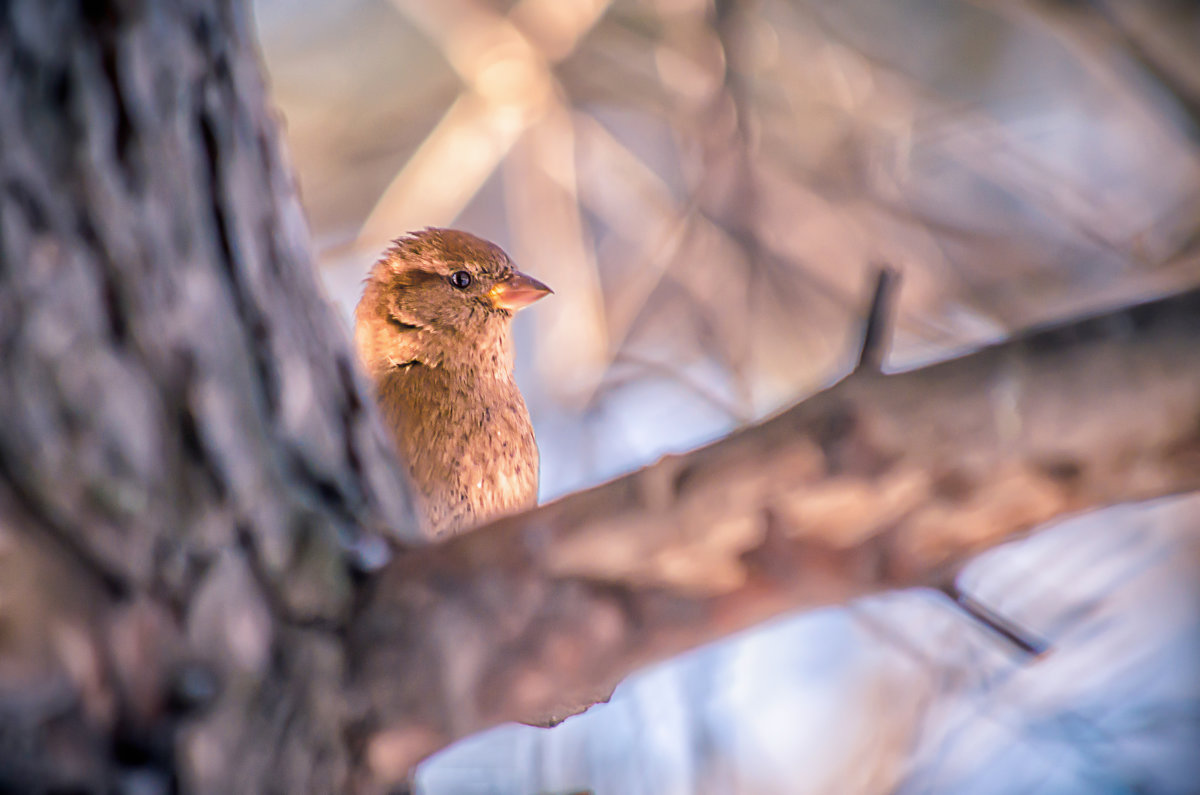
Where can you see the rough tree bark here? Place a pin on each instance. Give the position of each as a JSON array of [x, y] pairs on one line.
[[186, 458], [190, 474]]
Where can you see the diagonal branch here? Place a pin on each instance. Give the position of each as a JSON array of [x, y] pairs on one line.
[[879, 482]]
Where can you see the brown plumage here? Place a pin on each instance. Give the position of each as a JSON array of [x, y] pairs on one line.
[[433, 329]]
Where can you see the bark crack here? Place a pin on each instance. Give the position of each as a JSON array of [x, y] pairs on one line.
[[274, 601], [258, 344], [38, 515]]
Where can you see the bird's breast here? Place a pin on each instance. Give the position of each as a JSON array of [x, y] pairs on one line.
[[468, 443]]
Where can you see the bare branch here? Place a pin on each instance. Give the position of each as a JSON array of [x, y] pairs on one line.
[[880, 482]]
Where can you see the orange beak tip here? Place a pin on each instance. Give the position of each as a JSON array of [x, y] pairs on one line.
[[518, 291]]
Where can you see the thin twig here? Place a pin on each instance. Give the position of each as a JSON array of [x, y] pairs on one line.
[[1015, 634], [877, 328]]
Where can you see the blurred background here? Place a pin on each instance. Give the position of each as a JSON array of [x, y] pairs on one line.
[[708, 187]]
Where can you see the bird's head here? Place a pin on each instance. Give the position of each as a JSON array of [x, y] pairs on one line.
[[440, 297]]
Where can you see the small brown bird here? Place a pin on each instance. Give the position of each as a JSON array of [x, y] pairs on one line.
[[433, 329]]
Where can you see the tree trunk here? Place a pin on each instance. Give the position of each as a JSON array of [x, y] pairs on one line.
[[186, 457]]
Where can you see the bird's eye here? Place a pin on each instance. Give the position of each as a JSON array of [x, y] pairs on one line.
[[460, 279]]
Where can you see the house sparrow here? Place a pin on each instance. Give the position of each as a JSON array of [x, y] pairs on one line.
[[434, 330]]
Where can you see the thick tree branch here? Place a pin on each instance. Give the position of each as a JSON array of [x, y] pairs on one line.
[[879, 482]]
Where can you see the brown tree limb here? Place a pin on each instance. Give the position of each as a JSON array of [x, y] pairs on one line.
[[879, 482], [871, 356]]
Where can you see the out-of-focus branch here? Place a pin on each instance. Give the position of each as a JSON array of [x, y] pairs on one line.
[[1154, 39], [508, 86], [880, 482]]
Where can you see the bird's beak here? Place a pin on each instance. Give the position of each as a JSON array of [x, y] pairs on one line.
[[517, 291]]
